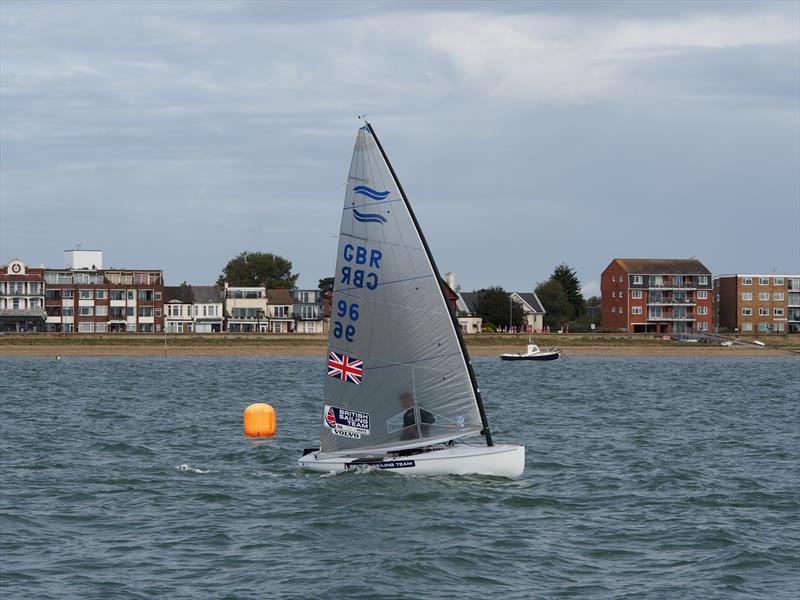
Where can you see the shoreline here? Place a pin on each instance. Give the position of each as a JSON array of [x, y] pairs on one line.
[[56, 350]]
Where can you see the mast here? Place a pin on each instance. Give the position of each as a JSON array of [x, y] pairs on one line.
[[453, 320]]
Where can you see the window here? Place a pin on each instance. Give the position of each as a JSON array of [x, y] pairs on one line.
[[763, 327], [613, 309], [747, 296], [702, 310], [129, 311], [747, 327], [99, 327], [117, 295], [655, 312], [68, 311], [145, 311], [131, 295], [779, 327], [100, 294], [747, 312], [763, 312], [702, 295], [636, 310], [86, 294], [702, 326], [778, 281], [117, 312], [145, 295], [101, 311], [636, 294], [778, 312], [763, 280], [702, 280], [86, 327], [637, 280], [67, 294], [778, 296], [747, 281], [158, 312], [86, 311], [158, 295], [763, 296]]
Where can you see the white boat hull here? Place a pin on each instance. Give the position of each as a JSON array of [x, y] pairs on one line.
[[499, 461]]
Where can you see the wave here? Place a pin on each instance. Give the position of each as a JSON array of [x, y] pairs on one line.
[[370, 193], [186, 467], [368, 217]]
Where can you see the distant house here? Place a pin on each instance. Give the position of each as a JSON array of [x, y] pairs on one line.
[[307, 311], [641, 295], [193, 308], [279, 310], [468, 320], [532, 311], [246, 309]]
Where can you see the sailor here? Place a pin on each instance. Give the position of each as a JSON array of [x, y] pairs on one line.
[[412, 430]]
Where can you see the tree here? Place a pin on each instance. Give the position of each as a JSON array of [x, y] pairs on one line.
[[571, 286], [493, 305], [556, 303], [251, 269], [326, 285]]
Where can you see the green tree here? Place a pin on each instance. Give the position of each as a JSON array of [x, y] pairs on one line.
[[326, 285], [252, 269], [493, 304], [568, 279], [556, 303]]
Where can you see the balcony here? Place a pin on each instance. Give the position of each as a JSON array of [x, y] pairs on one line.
[[671, 302], [686, 285], [670, 317]]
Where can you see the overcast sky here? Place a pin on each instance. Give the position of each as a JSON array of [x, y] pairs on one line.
[[175, 135]]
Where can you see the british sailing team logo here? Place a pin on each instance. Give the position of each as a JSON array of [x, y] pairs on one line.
[[375, 195], [346, 423]]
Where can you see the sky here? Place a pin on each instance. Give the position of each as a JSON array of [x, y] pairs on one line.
[[176, 135]]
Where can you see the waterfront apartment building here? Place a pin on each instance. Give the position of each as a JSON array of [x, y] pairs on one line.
[[21, 298], [193, 309], [656, 296], [85, 298], [759, 304], [307, 311], [246, 309], [279, 309]]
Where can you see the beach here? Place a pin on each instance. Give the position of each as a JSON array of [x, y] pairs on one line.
[[316, 345]]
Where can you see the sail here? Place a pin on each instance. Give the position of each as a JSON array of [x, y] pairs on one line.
[[397, 376]]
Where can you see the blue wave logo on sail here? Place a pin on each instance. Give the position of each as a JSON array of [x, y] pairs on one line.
[[368, 217], [370, 193]]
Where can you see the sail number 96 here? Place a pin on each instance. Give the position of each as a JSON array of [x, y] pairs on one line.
[[345, 311]]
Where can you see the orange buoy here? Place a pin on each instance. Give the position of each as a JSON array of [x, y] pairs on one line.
[[259, 420]]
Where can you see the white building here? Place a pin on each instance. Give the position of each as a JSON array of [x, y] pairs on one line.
[[246, 309], [193, 309]]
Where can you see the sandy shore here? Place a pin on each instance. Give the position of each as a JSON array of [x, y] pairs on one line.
[[320, 350]]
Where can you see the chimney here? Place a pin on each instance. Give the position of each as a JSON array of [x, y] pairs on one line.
[[450, 278]]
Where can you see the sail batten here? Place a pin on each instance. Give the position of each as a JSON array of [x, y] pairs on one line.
[[398, 376]]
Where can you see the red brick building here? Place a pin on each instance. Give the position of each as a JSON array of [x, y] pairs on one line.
[[21, 297], [640, 295]]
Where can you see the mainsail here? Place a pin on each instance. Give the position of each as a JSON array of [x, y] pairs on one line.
[[398, 377]]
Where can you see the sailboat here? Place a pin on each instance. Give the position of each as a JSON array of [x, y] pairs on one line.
[[401, 392]]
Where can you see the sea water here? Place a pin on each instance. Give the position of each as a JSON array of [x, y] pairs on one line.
[[645, 478]]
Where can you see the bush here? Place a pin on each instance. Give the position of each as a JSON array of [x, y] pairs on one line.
[[488, 328]]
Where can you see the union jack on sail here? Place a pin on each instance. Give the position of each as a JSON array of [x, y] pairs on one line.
[[345, 368]]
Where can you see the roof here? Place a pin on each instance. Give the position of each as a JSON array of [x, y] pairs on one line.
[[657, 266], [469, 298], [532, 300], [192, 294], [279, 296], [206, 294]]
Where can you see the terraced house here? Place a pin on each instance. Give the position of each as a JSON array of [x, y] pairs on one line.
[[21, 298]]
